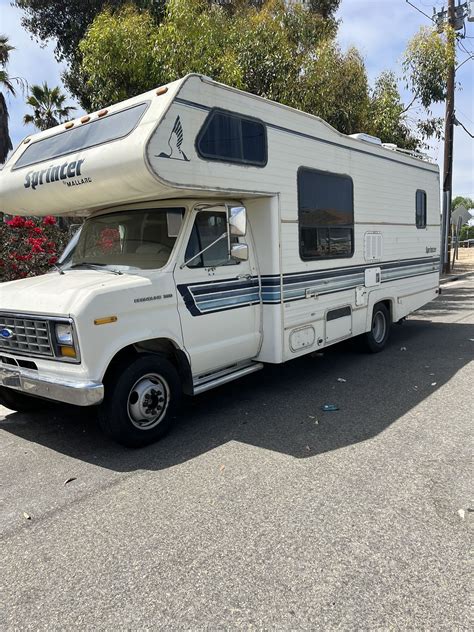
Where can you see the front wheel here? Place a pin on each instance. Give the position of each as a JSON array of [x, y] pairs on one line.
[[377, 337], [140, 401]]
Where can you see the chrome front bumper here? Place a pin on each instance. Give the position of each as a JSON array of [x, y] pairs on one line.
[[29, 382]]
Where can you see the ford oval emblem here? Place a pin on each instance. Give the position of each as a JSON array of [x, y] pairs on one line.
[[6, 333]]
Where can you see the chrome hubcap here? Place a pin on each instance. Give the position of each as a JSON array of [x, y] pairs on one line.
[[379, 327], [148, 401]]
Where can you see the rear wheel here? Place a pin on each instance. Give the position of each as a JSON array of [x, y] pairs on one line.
[[15, 400], [140, 401], [376, 338]]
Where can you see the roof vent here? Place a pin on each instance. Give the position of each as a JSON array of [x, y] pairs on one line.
[[367, 138]]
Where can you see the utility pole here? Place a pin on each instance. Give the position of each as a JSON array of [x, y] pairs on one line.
[[448, 139], [454, 16]]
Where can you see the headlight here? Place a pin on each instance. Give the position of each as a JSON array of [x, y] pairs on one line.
[[64, 334]]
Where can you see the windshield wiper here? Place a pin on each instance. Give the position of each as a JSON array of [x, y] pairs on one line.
[[94, 266], [58, 268]]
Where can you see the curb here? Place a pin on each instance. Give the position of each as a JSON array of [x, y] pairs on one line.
[[455, 277]]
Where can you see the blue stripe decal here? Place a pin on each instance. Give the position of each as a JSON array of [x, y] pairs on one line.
[[208, 297]]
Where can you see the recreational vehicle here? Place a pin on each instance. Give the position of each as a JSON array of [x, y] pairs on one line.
[[222, 231]]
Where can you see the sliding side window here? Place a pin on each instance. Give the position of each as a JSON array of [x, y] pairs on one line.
[[325, 214], [228, 137], [420, 202]]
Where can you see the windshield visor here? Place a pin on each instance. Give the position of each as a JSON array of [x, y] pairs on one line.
[[140, 239]]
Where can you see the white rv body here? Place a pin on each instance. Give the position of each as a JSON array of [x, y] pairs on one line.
[[225, 320]]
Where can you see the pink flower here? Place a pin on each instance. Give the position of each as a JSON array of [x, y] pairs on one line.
[[49, 220]]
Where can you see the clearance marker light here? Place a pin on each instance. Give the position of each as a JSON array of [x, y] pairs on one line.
[[102, 113], [69, 125], [85, 119], [105, 320], [161, 91], [26, 141]]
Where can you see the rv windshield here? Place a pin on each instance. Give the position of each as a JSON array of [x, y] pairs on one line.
[[141, 239]]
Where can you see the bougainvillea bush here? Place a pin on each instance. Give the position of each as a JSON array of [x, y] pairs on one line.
[[29, 246]]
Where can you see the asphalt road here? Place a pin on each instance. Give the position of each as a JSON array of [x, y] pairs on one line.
[[259, 511]]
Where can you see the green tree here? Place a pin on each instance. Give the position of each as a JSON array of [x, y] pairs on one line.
[[67, 22], [459, 200], [6, 86], [281, 52], [325, 8], [48, 107], [425, 68], [333, 85], [387, 113], [466, 232]]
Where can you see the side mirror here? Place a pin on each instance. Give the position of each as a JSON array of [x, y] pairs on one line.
[[240, 252], [237, 220]]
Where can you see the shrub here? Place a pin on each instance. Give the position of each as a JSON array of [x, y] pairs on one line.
[[29, 246]]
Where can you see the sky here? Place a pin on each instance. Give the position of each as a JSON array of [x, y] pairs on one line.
[[379, 29]]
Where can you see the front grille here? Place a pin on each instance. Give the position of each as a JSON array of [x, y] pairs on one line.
[[30, 336]]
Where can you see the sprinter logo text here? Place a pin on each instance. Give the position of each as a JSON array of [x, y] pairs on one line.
[[53, 173]]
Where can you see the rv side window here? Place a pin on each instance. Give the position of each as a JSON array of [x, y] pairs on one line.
[[232, 138], [208, 226], [326, 214], [420, 209]]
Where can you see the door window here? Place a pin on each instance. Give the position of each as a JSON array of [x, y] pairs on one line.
[[208, 226]]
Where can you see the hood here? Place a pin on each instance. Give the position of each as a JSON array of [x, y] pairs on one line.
[[64, 294]]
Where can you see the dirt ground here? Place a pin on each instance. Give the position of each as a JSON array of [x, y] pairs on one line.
[[465, 263]]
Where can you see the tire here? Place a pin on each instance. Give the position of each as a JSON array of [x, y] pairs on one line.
[[376, 338], [149, 380], [15, 400]]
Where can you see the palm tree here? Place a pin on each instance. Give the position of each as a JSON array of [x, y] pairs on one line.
[[48, 107], [6, 85]]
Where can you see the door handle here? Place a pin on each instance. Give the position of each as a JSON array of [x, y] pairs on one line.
[[244, 276]]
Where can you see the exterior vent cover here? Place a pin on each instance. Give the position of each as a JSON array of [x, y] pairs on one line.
[[367, 138], [373, 246]]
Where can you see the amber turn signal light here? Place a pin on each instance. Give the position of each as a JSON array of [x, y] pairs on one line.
[[68, 352]]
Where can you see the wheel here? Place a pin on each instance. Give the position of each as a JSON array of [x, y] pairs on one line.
[[140, 401], [377, 337], [15, 400]]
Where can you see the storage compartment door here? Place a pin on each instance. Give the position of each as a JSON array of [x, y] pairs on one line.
[[338, 324]]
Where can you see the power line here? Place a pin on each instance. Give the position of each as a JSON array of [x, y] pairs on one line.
[[419, 10], [462, 47], [458, 122], [466, 116], [466, 60]]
